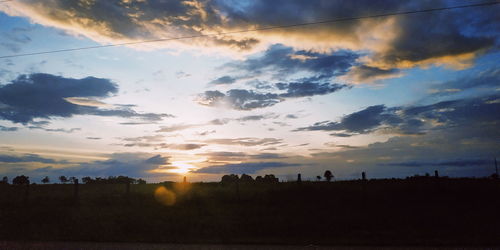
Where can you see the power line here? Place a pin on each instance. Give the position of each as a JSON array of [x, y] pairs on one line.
[[344, 19]]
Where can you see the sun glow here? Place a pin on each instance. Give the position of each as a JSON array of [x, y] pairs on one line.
[[183, 167]]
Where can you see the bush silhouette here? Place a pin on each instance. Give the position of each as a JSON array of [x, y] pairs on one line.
[[63, 179], [328, 175], [21, 180], [45, 180]]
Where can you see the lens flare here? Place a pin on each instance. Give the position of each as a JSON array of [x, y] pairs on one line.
[[165, 196]]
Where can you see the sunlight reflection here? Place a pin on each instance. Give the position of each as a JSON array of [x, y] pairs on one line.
[[165, 196]]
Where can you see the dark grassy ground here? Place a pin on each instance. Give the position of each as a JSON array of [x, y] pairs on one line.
[[381, 212]]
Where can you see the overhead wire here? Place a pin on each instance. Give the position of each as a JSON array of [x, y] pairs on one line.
[[343, 19]]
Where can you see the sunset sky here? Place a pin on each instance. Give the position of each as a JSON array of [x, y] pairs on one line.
[[391, 96]]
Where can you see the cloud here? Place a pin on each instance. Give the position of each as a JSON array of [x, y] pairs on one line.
[[28, 158], [127, 164], [358, 122], [181, 146], [457, 163], [223, 80], [147, 138], [243, 168], [308, 88], [182, 74], [280, 61], [69, 131], [225, 156], [366, 74], [239, 99], [242, 99], [481, 83], [178, 127], [446, 37], [245, 141], [156, 141], [45, 96], [414, 120], [8, 129], [257, 117]]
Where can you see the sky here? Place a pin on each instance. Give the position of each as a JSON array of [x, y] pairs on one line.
[[392, 96]]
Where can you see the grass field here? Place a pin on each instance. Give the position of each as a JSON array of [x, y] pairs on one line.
[[378, 212]]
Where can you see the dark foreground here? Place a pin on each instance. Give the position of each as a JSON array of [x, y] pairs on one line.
[[427, 212]]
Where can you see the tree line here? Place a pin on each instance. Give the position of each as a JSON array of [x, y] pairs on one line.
[[24, 180]]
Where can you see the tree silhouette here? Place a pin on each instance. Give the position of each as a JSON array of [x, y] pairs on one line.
[[229, 178], [5, 180], [328, 175], [270, 178], [45, 180], [318, 178], [21, 180], [246, 178], [87, 179], [63, 179]]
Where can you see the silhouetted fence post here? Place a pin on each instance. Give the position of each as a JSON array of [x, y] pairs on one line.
[[363, 188], [436, 174], [299, 178], [184, 180], [127, 188], [27, 191], [238, 190], [75, 190]]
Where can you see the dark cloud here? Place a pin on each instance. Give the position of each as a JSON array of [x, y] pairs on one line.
[[364, 73], [341, 134], [223, 80], [413, 39], [126, 164], [186, 146], [484, 81], [45, 96], [362, 121], [281, 61], [438, 35], [239, 99], [135, 165], [8, 129], [257, 117], [62, 130], [308, 88], [28, 158], [205, 133], [415, 120], [93, 138], [242, 99], [243, 168]]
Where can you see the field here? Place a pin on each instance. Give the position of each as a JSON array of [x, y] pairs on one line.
[[429, 212]]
